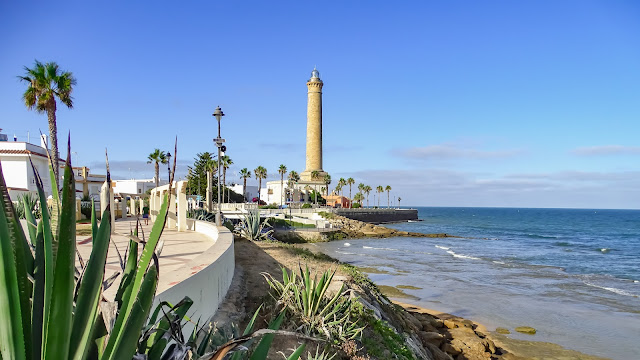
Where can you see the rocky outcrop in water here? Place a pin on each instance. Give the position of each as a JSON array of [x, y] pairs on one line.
[[358, 229]]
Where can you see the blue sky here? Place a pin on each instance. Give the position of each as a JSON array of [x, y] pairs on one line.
[[493, 103]]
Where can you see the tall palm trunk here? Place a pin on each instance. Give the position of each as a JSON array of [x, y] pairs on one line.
[[281, 189], [350, 199], [244, 189], [53, 134], [157, 174], [388, 201], [224, 182], [259, 187]]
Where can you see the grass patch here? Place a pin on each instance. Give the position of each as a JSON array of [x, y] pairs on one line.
[[285, 223], [380, 340]]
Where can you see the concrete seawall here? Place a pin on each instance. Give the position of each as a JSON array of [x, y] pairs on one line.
[[210, 275], [378, 216]]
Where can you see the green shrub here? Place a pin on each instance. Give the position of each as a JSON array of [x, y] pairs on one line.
[[251, 227], [356, 205], [306, 206], [312, 310]]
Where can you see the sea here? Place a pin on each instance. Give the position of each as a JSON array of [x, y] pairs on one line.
[[572, 274]]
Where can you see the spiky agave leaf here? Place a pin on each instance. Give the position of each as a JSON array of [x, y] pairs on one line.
[[90, 291], [58, 332]]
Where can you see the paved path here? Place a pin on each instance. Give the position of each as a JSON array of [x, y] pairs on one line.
[[179, 248]]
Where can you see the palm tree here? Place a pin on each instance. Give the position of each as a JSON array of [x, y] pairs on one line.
[[327, 181], [341, 183], [367, 190], [282, 170], [361, 187], [315, 175], [225, 162], [350, 181], [46, 83], [388, 188], [358, 197], [293, 179], [380, 190], [158, 157], [338, 188], [260, 173], [211, 166], [244, 174]]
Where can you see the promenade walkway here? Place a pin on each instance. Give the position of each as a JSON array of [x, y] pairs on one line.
[[179, 249]]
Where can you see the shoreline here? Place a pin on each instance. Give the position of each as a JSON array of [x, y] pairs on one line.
[[521, 349]]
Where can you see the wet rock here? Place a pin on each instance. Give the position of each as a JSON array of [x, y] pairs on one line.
[[526, 330], [433, 338], [501, 330], [415, 323], [450, 349], [468, 343], [437, 353], [449, 324]]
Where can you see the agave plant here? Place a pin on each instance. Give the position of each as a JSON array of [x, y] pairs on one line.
[[313, 311], [252, 228], [320, 355], [201, 214], [27, 202], [56, 311]]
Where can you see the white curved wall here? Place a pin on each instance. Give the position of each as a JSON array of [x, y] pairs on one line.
[[210, 278]]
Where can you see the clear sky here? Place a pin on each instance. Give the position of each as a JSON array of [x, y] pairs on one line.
[[452, 103]]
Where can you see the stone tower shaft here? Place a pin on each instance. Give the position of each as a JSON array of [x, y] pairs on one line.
[[314, 128]]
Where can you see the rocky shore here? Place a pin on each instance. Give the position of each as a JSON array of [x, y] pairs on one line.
[[392, 331], [358, 229]]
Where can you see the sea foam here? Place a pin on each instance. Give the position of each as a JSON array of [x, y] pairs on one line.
[[462, 256], [612, 289], [442, 247]]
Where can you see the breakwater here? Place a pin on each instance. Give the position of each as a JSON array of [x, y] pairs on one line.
[[378, 216]]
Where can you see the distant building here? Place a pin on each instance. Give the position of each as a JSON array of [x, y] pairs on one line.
[[16, 167], [252, 191], [135, 186], [337, 201], [16, 158], [87, 183]]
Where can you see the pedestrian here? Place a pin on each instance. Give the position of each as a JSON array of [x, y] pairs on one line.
[[145, 214]]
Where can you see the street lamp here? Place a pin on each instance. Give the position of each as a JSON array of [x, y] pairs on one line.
[[218, 114], [169, 166]]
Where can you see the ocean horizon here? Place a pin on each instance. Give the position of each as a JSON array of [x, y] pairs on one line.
[[572, 274]]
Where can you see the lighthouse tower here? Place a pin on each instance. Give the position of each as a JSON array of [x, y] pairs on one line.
[[314, 130]]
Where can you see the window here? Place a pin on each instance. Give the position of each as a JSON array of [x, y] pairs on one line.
[[139, 191]]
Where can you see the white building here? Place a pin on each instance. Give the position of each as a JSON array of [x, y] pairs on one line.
[[252, 191], [272, 194], [16, 168], [135, 186]]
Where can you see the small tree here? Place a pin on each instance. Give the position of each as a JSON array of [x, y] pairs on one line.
[[46, 83], [244, 174], [157, 157], [388, 189], [260, 173], [282, 170]]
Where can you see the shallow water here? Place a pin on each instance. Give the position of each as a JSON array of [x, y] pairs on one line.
[[571, 274]]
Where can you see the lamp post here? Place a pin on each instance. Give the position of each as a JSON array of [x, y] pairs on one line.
[[169, 166], [218, 114]]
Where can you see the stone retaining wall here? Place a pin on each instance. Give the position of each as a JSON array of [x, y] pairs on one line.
[[378, 216]]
